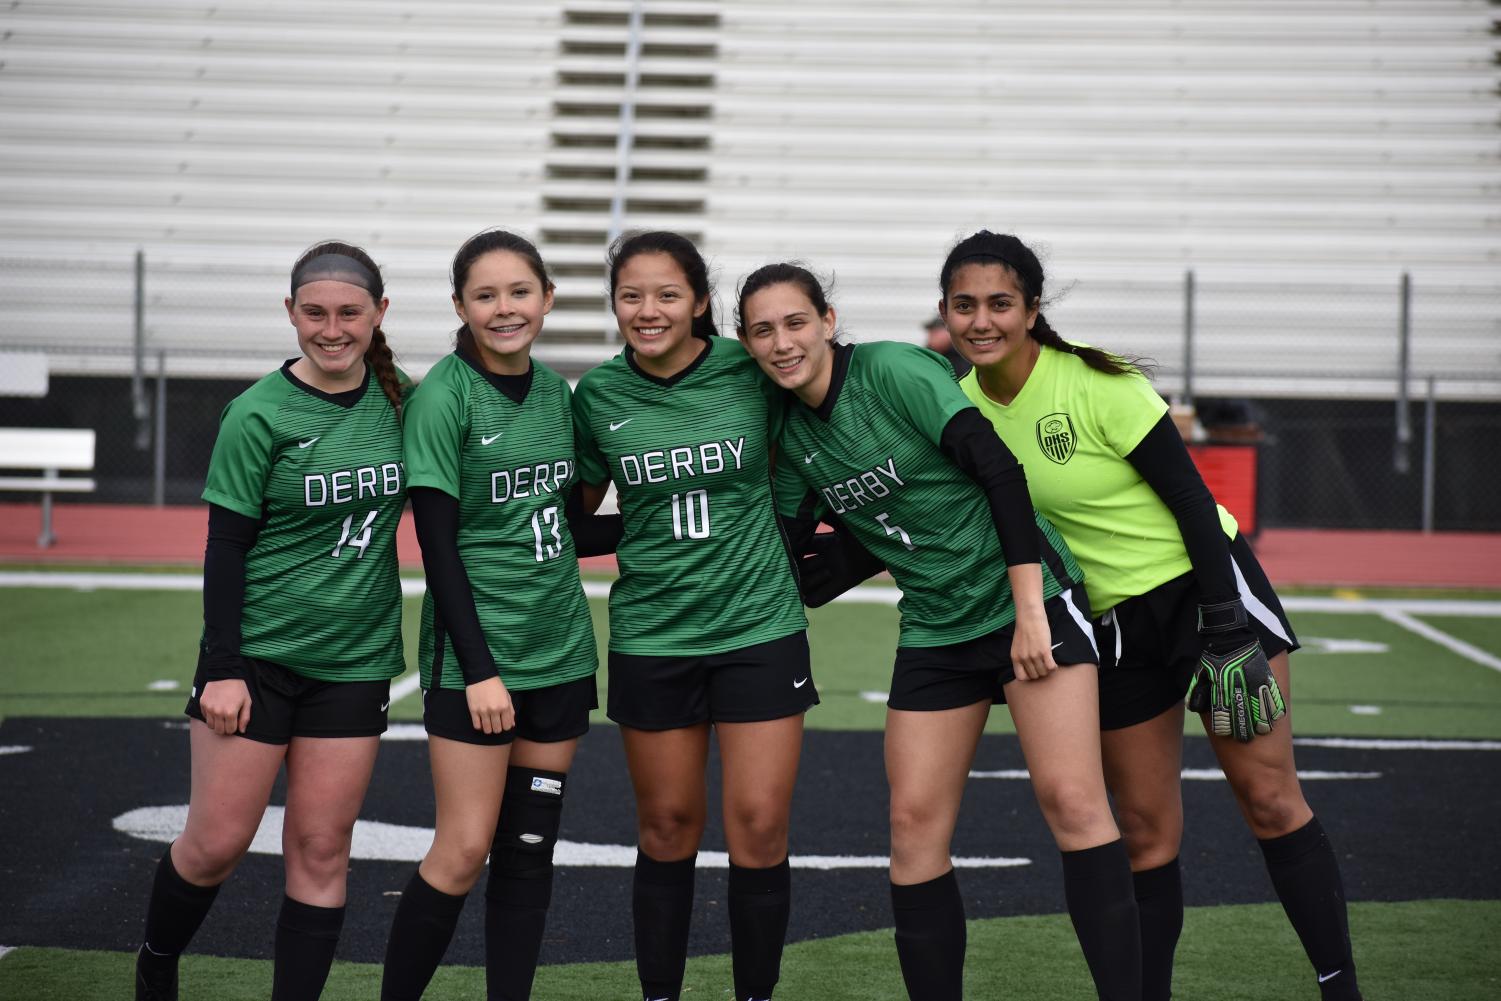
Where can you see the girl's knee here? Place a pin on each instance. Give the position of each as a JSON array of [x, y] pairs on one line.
[[1075, 809], [670, 832], [1273, 806]]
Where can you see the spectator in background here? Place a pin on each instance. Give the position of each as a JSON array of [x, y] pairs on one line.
[[937, 339]]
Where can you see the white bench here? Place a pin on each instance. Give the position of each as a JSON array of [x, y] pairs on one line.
[[50, 452]]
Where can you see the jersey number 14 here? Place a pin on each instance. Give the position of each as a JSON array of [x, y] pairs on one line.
[[361, 538]]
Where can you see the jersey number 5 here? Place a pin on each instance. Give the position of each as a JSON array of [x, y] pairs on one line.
[[361, 538], [896, 530], [547, 518]]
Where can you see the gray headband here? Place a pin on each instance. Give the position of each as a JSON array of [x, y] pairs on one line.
[[336, 268]]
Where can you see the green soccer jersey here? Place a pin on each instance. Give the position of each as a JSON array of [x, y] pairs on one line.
[[703, 567], [869, 456], [1071, 427], [510, 464], [322, 474]]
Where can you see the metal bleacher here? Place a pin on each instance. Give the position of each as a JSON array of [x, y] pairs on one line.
[[1298, 155]]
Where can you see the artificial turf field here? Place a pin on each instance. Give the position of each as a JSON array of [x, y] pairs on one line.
[[1398, 708]]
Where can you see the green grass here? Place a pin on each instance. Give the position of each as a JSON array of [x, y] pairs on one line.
[[1421, 949], [72, 653]]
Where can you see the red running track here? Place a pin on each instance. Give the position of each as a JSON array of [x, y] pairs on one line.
[[127, 534]]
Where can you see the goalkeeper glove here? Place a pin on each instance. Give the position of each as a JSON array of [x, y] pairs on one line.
[[1234, 683]]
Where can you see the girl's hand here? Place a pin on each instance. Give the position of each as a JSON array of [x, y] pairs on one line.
[[1032, 645], [490, 708], [226, 706]]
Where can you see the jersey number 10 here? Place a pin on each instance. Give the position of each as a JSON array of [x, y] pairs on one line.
[[691, 509]]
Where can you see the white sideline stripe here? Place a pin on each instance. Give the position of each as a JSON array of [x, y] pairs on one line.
[[405, 687], [401, 843], [15, 749], [5, 949], [1192, 775], [1442, 638], [1397, 744], [871, 594], [404, 731]]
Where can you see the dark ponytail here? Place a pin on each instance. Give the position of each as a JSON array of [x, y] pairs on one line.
[[478, 246], [681, 250], [1016, 257], [378, 355]]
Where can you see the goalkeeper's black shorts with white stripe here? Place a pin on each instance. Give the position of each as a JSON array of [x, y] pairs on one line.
[[1150, 644]]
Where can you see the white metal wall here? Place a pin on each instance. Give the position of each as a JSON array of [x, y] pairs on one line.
[[1298, 154]]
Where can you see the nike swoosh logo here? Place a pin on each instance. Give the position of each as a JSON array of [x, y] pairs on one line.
[[1058, 644], [799, 684], [305, 444], [1329, 976], [809, 458], [617, 427], [487, 440], [385, 705]]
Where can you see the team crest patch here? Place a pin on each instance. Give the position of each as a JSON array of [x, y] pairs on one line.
[[1055, 436]]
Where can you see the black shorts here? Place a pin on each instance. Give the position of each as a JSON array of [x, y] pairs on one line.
[[766, 681], [543, 715], [285, 704], [1150, 644], [929, 678]]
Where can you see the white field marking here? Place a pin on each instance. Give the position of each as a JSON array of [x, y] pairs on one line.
[[16, 749], [404, 731], [1320, 644], [4, 949], [1366, 710], [871, 594], [174, 725], [1442, 638], [406, 686], [162, 685], [1397, 744], [401, 843], [875, 696], [1190, 775]]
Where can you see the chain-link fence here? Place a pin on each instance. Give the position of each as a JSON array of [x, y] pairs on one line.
[[1295, 386]]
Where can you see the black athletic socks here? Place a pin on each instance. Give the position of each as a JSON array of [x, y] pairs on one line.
[[930, 938], [1159, 899], [306, 937], [1102, 905], [173, 915], [420, 933], [1305, 872], [760, 901], [662, 905], [515, 916]]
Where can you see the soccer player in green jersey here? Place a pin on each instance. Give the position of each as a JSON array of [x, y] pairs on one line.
[[302, 625], [1183, 604], [507, 650], [706, 627], [878, 439]]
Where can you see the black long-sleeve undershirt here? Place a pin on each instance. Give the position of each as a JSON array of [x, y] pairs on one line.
[[970, 442], [230, 537], [1163, 462], [436, 515]]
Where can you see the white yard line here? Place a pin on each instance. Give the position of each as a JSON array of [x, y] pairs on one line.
[[1189, 775], [1442, 638], [1397, 744], [870, 594], [406, 686]]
